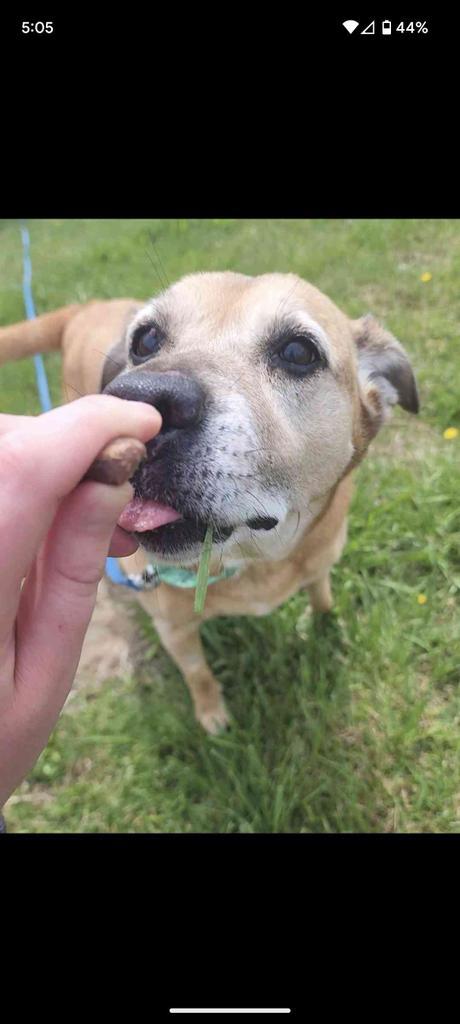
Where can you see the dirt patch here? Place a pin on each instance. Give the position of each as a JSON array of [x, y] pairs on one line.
[[112, 644]]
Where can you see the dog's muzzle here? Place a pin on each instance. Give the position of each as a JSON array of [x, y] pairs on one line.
[[170, 512]]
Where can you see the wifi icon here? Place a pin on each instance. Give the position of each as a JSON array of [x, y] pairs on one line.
[[350, 25]]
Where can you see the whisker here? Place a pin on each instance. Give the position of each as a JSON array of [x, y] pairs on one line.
[[107, 356], [259, 550], [297, 527], [286, 298], [258, 501], [72, 387], [160, 264], [265, 511], [162, 285], [244, 556], [232, 382], [252, 451]]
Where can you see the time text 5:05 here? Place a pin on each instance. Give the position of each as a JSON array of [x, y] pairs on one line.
[[37, 26]]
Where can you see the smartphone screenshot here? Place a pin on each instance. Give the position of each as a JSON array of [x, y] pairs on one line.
[[229, 476]]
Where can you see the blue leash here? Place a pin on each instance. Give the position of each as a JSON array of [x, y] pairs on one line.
[[112, 568], [40, 372]]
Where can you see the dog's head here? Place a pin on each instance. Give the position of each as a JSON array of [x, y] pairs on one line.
[[269, 395]]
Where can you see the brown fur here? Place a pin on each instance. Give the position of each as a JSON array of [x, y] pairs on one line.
[[203, 305]]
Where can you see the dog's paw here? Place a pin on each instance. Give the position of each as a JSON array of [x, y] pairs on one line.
[[214, 720]]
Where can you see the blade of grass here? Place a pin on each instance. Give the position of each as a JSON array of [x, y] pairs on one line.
[[203, 572]]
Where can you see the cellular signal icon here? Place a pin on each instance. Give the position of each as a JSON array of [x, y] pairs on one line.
[[350, 25]]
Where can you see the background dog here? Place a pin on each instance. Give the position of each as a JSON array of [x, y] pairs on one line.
[[270, 397]]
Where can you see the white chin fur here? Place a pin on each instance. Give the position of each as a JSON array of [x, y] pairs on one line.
[[273, 545]]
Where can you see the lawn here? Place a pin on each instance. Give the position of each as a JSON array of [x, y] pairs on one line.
[[346, 724]]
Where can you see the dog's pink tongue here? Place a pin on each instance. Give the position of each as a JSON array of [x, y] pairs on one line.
[[139, 515]]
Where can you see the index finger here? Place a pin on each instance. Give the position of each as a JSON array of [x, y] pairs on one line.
[[66, 440]]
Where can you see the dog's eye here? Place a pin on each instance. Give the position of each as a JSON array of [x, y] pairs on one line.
[[298, 355], [145, 343]]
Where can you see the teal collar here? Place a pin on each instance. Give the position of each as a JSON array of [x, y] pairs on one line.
[[153, 575], [186, 577]]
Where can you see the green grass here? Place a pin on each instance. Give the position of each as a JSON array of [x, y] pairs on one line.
[[345, 724]]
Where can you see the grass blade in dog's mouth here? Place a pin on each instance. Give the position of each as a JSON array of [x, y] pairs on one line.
[[203, 572], [141, 515]]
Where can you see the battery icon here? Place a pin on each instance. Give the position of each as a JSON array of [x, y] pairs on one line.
[[386, 28]]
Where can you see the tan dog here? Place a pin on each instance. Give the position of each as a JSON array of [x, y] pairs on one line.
[[269, 397]]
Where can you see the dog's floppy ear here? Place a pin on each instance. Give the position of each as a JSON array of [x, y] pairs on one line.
[[114, 363], [385, 373]]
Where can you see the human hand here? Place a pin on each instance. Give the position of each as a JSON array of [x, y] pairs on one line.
[[55, 534]]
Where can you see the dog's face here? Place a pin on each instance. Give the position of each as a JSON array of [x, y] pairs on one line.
[[268, 393]]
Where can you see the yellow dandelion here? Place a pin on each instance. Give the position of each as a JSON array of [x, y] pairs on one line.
[[422, 599], [450, 433], [426, 276]]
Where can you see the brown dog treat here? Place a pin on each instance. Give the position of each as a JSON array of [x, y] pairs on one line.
[[117, 462]]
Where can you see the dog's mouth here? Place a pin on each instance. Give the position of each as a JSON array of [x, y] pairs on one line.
[[172, 508], [164, 530], [167, 532]]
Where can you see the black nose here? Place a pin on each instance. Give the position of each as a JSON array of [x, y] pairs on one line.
[[179, 399]]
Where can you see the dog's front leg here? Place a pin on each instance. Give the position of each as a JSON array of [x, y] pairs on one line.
[[183, 643], [321, 594]]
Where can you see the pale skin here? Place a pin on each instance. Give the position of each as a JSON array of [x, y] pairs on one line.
[[55, 534]]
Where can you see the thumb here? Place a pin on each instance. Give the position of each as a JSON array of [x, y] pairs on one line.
[[59, 594], [78, 542]]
